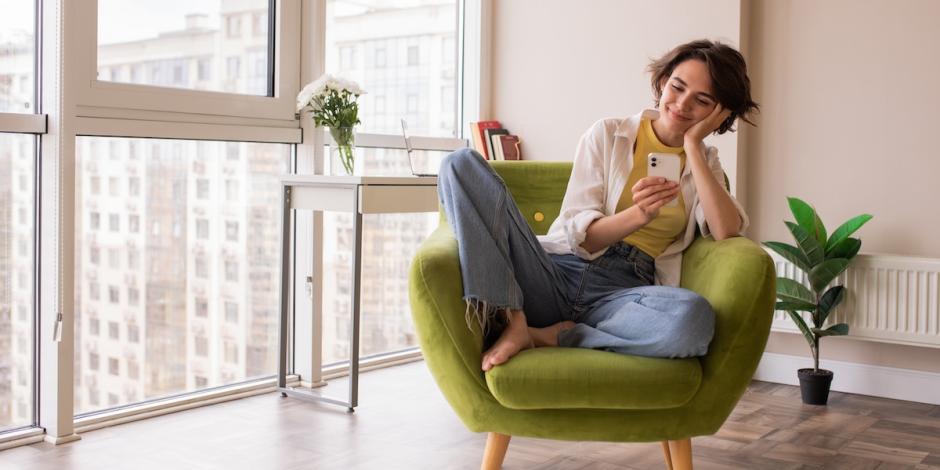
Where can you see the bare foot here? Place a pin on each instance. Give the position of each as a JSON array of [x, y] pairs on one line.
[[548, 336], [514, 338]]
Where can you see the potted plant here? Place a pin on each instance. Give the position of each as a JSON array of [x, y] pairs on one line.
[[823, 260]]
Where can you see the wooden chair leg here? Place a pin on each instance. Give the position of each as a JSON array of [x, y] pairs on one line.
[[681, 453], [666, 455], [496, 445]]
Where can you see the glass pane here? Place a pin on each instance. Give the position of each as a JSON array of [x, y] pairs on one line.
[[17, 57], [389, 243], [177, 266], [196, 44], [404, 55], [17, 272]]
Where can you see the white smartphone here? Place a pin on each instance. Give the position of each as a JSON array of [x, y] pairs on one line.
[[666, 165]]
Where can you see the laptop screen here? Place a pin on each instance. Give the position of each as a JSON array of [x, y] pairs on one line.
[[421, 162]]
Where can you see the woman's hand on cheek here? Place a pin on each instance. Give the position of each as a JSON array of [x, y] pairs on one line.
[[697, 133]]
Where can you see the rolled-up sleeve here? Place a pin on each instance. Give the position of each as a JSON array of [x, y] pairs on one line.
[[714, 164], [587, 190]]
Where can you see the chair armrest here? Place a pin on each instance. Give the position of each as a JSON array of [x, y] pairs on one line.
[[739, 280], [451, 349]]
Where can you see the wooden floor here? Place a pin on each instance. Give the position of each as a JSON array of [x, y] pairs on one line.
[[404, 423]]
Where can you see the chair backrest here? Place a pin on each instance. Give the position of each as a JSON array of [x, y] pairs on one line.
[[538, 188]]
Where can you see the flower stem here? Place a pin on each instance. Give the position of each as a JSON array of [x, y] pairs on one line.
[[346, 157], [344, 139]]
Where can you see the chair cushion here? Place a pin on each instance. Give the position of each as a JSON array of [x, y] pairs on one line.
[[559, 378]]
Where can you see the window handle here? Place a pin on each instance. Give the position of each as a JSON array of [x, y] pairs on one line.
[[57, 329]]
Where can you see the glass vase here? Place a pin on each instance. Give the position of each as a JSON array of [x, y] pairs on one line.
[[343, 151]]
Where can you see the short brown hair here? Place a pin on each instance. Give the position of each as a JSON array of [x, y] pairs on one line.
[[730, 83]]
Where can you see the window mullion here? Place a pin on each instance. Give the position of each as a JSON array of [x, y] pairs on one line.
[[108, 127], [56, 222]]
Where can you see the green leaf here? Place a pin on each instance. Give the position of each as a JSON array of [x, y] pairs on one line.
[[811, 247], [829, 301], [803, 328], [847, 249], [800, 305], [789, 290], [807, 217], [822, 275], [835, 330], [791, 254], [846, 229]]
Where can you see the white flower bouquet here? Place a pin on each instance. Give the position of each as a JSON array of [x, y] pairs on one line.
[[332, 100]]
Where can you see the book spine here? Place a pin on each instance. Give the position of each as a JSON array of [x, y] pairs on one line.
[[509, 147], [482, 126], [497, 147], [476, 135], [491, 143]]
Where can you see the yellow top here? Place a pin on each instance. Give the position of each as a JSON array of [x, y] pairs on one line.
[[662, 231]]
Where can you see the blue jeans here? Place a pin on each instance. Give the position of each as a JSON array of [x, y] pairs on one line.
[[611, 298]]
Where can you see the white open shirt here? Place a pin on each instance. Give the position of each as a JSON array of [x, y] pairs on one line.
[[602, 164]]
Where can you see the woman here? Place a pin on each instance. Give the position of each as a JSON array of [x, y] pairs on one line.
[[606, 275]]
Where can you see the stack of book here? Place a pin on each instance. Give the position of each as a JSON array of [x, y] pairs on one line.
[[494, 142]]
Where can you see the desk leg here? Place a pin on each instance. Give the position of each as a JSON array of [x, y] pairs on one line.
[[354, 326], [283, 325], [316, 302]]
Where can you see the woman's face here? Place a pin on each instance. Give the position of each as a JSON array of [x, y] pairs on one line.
[[687, 97]]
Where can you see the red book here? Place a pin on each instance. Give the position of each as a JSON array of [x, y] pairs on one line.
[[479, 142], [511, 147]]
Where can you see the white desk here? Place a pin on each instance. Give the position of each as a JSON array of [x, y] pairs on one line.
[[359, 195]]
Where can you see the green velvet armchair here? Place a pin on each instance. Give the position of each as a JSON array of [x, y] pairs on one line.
[[590, 395]]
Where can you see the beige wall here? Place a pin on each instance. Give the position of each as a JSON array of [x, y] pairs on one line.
[[850, 104], [849, 99]]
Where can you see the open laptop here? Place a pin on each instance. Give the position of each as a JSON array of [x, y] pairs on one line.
[[411, 158]]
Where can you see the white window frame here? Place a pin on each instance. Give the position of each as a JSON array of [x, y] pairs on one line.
[[104, 107], [475, 42]]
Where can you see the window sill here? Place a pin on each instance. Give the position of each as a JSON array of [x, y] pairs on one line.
[[21, 437]]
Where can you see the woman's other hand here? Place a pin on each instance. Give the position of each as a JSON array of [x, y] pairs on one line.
[[697, 133], [650, 194]]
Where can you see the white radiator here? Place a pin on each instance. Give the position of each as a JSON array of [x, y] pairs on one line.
[[892, 299]]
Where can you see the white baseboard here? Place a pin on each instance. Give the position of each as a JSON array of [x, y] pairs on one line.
[[62, 439], [851, 377]]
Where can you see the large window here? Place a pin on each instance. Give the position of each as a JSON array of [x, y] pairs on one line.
[[156, 190], [177, 270], [404, 54], [192, 44], [17, 269], [175, 216], [17, 216]]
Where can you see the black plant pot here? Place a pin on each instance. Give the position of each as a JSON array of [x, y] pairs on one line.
[[814, 386]]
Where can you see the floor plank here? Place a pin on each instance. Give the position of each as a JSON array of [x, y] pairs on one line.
[[404, 423]]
